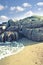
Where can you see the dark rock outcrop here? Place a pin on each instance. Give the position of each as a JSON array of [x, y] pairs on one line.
[[13, 37], [16, 36], [30, 27], [5, 37], [37, 35], [1, 30], [33, 34], [1, 39]]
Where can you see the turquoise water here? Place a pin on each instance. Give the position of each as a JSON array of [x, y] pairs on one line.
[[9, 48]]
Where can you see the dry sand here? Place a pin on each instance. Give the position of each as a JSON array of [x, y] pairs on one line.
[[30, 55]]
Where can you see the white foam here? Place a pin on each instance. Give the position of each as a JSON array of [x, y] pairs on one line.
[[7, 51]]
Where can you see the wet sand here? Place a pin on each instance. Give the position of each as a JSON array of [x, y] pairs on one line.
[[30, 55]]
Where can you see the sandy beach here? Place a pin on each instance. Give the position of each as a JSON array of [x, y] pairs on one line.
[[30, 55]]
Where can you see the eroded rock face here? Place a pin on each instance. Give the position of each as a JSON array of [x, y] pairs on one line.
[[30, 27], [5, 37], [9, 36], [35, 34], [27, 32], [1, 30], [1, 39], [13, 37]]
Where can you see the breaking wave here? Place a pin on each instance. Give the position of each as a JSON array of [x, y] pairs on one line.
[[10, 48]]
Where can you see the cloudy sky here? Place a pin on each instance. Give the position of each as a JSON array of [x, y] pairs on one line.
[[16, 9]]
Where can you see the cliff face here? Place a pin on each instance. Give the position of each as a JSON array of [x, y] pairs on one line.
[[30, 27]]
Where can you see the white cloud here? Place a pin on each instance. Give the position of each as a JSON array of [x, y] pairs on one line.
[[40, 3], [29, 13], [1, 7], [17, 8], [20, 8], [3, 18], [12, 8], [39, 9], [38, 13], [26, 5]]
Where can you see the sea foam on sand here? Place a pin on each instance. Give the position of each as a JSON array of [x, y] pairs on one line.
[[10, 50]]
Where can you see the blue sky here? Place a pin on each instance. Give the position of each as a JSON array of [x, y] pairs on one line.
[[16, 9]]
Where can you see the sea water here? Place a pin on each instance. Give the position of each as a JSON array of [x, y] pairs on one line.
[[10, 48]]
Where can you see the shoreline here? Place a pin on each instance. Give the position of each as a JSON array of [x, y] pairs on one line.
[[18, 49], [32, 54]]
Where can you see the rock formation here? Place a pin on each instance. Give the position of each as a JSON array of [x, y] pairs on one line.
[[30, 27]]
